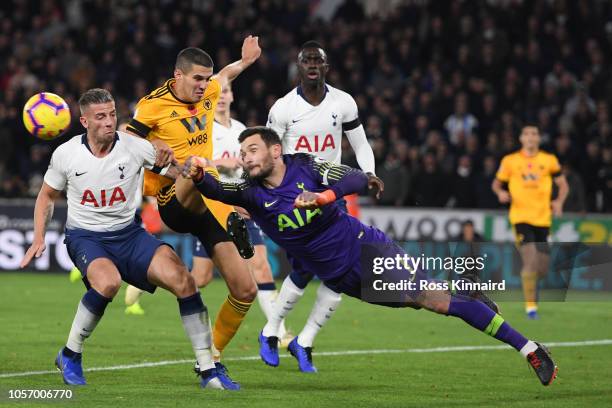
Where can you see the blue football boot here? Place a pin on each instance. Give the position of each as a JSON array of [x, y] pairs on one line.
[[71, 369], [268, 349], [216, 378], [303, 356]]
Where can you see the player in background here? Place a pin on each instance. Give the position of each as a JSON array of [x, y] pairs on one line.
[[293, 199], [178, 118], [100, 171], [312, 118], [529, 174], [226, 156]]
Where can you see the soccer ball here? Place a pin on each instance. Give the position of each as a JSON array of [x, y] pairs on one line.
[[46, 115]]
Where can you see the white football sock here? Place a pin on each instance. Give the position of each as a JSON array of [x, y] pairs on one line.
[[284, 303], [197, 327], [83, 324], [326, 304], [529, 347], [266, 299]]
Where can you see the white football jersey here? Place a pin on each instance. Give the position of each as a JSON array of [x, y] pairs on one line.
[[304, 128], [225, 144], [101, 192]]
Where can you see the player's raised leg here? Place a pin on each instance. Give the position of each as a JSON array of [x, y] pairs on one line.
[[167, 270], [478, 315]]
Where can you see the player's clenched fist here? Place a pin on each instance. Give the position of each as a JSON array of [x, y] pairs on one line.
[[194, 167], [250, 49], [310, 200]]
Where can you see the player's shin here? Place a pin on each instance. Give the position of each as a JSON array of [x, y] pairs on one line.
[[285, 301], [194, 316], [479, 316], [89, 312], [325, 305], [529, 281], [267, 294], [228, 321]]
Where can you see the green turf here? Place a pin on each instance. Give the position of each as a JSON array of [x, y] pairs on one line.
[[36, 312]]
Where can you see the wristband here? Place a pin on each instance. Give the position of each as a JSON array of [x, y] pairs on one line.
[[326, 197]]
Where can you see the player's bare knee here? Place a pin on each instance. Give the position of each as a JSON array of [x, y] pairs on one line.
[[435, 301], [183, 284], [202, 271], [246, 292], [108, 287]]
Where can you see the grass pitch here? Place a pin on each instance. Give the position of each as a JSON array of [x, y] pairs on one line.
[[372, 356]]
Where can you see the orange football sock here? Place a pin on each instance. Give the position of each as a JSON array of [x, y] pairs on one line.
[[530, 290], [228, 321]]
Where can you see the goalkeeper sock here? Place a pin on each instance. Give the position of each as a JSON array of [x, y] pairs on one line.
[[89, 312], [478, 315], [285, 301], [228, 321], [194, 316], [326, 304]]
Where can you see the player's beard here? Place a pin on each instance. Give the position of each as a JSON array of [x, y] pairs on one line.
[[266, 170]]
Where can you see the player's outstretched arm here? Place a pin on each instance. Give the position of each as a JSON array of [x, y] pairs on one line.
[[342, 180], [229, 193], [43, 211], [365, 156], [250, 53]]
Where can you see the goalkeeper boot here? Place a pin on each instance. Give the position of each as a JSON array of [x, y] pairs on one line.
[[543, 364], [71, 368], [237, 230], [303, 355]]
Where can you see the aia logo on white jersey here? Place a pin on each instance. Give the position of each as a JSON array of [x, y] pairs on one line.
[[116, 196], [315, 144], [227, 155]]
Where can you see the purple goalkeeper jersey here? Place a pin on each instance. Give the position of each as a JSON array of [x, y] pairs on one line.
[[325, 240]]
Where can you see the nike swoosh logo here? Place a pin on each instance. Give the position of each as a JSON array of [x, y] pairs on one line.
[[79, 174], [295, 121], [266, 204]]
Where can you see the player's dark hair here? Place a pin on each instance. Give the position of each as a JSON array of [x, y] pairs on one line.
[[530, 124], [312, 44], [269, 136], [192, 56], [94, 96]]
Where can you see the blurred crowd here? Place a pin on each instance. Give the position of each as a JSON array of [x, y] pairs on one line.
[[443, 87]]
